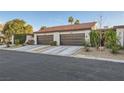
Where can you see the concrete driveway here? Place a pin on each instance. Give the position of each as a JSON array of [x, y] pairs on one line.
[[21, 66], [47, 49], [62, 50], [29, 48]]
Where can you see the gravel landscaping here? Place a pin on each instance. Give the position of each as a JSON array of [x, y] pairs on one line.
[[102, 54]]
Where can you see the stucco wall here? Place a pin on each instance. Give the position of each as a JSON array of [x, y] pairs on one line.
[[35, 39], [57, 35], [120, 34], [29, 37]]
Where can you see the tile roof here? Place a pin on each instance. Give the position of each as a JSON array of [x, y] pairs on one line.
[[74, 27]]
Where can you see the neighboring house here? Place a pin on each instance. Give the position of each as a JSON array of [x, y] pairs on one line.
[[75, 34], [120, 33], [1, 35]]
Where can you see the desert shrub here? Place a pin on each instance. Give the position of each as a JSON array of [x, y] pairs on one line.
[[53, 43], [87, 46], [115, 48], [121, 47], [95, 39], [112, 41]]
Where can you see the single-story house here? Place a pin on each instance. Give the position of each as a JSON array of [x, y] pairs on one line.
[[75, 34]]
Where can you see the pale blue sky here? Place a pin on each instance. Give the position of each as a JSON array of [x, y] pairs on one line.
[[54, 18]]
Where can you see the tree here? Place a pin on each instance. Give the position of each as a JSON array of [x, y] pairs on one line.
[[70, 20], [43, 27], [95, 39], [28, 29], [112, 41], [16, 26], [77, 21], [8, 32]]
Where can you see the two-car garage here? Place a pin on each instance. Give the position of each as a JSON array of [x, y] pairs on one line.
[[65, 39]]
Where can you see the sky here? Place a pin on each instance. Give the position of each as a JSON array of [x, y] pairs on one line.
[[55, 18]]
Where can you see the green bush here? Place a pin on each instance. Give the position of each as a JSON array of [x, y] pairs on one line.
[[53, 43], [17, 42], [112, 41], [83, 43], [115, 49]]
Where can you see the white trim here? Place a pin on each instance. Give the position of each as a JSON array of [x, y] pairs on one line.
[[68, 32]]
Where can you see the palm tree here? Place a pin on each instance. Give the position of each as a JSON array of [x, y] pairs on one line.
[[77, 21], [70, 19]]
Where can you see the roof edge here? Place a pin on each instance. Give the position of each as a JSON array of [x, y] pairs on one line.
[[94, 22]]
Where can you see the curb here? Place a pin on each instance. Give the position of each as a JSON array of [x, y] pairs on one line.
[[98, 58]]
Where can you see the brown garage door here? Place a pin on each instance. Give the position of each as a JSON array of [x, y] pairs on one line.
[[72, 39], [44, 39]]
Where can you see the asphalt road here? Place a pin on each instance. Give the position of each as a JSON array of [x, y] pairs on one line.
[[20, 66]]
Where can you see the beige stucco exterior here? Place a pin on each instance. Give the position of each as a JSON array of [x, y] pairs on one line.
[[29, 37]]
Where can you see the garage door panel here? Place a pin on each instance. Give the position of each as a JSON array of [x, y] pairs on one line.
[[44, 39], [72, 39], [68, 42], [71, 43]]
